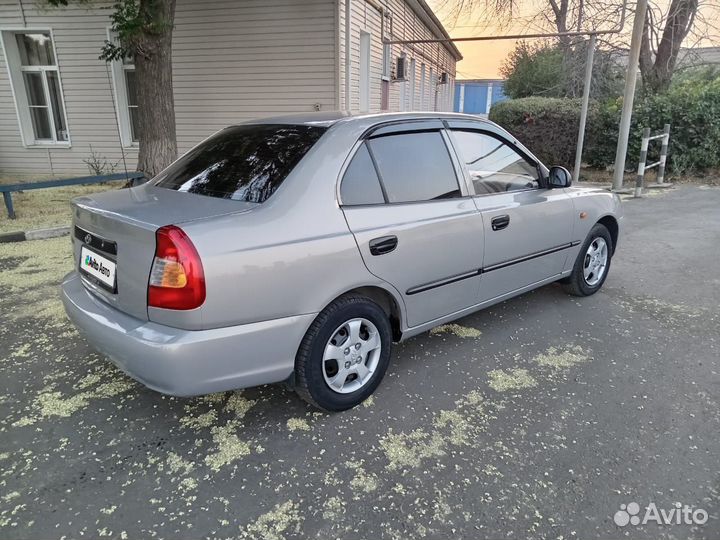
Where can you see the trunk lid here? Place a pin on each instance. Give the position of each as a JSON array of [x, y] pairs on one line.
[[119, 226]]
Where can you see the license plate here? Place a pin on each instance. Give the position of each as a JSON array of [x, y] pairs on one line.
[[99, 267]]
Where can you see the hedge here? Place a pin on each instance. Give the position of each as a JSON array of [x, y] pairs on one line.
[[548, 126]]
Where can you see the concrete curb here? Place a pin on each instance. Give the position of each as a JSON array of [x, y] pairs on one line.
[[37, 234], [659, 186]]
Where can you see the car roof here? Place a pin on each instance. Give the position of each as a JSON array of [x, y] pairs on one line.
[[329, 118]]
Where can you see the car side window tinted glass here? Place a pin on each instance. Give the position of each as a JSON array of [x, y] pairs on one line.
[[494, 166], [415, 167], [247, 162], [361, 185]]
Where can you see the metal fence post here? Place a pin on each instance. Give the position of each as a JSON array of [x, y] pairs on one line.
[[7, 197], [663, 154], [641, 165]]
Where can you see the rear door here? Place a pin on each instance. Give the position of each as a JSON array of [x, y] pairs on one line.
[[527, 226], [413, 219]]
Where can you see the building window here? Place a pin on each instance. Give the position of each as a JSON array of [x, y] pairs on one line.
[[125, 87], [128, 69], [33, 69]]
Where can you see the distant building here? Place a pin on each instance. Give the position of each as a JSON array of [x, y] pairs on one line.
[[687, 57], [476, 96], [232, 61]]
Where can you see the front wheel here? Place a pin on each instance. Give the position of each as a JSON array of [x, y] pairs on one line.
[[592, 263], [344, 354]]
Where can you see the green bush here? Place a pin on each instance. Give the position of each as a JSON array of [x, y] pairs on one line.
[[548, 69], [692, 106], [533, 71], [548, 126]]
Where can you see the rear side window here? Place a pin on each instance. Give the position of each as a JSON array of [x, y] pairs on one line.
[[243, 163], [361, 184], [415, 167]]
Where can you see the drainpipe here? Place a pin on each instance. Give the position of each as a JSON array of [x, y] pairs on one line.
[[22, 12], [347, 55]]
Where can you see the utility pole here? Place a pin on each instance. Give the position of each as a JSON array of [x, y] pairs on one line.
[[629, 95], [585, 105]]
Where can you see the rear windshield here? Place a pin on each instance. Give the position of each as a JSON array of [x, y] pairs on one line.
[[243, 163]]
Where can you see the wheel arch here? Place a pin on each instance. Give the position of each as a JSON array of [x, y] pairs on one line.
[[613, 227], [386, 300]]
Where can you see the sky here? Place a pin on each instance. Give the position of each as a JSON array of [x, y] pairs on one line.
[[482, 59]]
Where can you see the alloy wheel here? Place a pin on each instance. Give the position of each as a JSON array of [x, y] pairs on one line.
[[351, 355]]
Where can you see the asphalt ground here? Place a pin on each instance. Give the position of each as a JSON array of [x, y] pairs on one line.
[[537, 418]]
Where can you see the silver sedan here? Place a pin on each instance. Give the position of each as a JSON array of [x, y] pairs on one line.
[[300, 248]]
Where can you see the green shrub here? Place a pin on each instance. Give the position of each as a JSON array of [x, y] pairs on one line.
[[548, 126], [533, 70], [692, 107], [548, 69]]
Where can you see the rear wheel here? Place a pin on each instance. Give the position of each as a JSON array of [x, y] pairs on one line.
[[592, 263], [344, 355]]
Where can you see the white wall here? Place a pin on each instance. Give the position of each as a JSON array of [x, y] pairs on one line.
[[232, 61], [403, 23], [78, 34]]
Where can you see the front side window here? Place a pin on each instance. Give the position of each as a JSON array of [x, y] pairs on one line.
[[242, 163], [415, 167], [494, 166], [36, 81]]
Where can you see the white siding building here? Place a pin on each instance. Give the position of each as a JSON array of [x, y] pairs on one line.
[[233, 60]]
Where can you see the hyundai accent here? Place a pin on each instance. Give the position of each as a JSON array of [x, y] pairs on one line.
[[299, 248]]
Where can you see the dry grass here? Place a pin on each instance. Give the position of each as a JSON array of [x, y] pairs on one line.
[[49, 207]]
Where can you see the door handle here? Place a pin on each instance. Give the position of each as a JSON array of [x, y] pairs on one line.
[[500, 222], [383, 245]]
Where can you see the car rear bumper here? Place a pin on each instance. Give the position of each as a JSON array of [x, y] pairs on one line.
[[186, 362]]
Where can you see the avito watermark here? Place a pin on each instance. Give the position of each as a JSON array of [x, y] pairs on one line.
[[679, 514]]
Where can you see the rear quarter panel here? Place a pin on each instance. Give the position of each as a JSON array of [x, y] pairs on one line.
[[290, 256]]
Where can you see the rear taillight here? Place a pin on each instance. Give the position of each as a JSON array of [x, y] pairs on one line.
[[177, 280]]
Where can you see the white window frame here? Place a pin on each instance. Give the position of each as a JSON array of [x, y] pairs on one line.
[[387, 61], [120, 94], [17, 84]]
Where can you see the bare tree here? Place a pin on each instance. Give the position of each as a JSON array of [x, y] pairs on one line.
[[665, 30], [662, 38], [549, 15]]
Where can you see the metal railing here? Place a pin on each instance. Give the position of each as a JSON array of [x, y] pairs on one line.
[[642, 166]]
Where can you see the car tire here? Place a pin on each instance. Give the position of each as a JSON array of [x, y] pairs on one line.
[[586, 279], [331, 335]]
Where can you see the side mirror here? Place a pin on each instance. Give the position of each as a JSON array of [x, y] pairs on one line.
[[559, 177]]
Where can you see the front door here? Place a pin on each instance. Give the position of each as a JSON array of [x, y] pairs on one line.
[[414, 224], [527, 227]]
